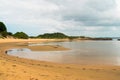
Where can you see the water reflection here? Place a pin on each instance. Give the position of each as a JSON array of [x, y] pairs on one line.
[[86, 52]]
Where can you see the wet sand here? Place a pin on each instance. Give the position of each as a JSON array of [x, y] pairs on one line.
[[15, 68]]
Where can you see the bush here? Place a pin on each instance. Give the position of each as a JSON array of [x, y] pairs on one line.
[[4, 34], [53, 35], [21, 35], [9, 33]]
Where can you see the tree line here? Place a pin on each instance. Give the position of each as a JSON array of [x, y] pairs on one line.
[[23, 35], [53, 36]]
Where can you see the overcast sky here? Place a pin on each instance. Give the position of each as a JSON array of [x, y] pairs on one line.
[[94, 18]]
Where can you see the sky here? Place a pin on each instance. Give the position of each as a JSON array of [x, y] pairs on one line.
[[93, 18]]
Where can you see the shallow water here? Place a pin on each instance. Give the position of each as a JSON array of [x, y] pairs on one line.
[[83, 52]]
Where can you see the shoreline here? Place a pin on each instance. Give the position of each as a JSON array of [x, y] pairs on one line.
[[15, 68]]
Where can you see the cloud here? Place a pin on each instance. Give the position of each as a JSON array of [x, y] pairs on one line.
[[90, 12], [73, 17]]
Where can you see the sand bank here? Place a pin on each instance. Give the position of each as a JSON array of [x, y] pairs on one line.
[[15, 68]]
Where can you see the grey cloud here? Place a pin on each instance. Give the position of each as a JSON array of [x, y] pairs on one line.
[[88, 12], [102, 5]]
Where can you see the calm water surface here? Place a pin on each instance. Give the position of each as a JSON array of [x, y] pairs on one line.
[[83, 52]]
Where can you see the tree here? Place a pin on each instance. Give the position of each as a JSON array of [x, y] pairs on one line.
[[3, 29], [21, 35]]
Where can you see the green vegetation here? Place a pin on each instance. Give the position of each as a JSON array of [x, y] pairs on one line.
[[3, 30], [53, 36], [21, 35], [9, 34], [58, 35], [2, 27]]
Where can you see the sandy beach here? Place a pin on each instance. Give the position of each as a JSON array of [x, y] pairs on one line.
[[15, 68]]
